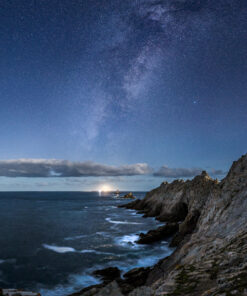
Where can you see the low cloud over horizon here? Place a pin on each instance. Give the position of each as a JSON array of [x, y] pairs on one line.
[[63, 168]]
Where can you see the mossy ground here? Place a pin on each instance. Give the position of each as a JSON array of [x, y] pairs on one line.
[[185, 283]]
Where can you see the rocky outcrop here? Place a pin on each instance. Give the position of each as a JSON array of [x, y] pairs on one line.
[[108, 274], [158, 234], [186, 227], [172, 201], [130, 280], [176, 202], [211, 238], [129, 195], [134, 278], [110, 289]]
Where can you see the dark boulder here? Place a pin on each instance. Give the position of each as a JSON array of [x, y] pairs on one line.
[[134, 278], [158, 234], [108, 274]]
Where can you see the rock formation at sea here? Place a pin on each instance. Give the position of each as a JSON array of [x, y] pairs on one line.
[[207, 221], [129, 195]]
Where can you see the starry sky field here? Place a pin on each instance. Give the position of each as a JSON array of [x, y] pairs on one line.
[[121, 94]]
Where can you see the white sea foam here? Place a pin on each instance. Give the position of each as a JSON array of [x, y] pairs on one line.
[[128, 241], [88, 251], [76, 283], [96, 252], [104, 234], [62, 250], [121, 222], [84, 280], [76, 237], [59, 249]]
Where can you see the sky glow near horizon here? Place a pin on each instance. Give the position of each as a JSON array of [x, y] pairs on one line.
[[91, 90]]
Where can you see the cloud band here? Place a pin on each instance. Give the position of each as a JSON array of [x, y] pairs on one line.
[[65, 168]]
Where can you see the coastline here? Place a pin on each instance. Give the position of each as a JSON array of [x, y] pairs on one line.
[[210, 239], [205, 222]]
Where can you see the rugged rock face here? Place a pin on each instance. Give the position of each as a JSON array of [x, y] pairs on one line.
[[211, 254], [172, 201]]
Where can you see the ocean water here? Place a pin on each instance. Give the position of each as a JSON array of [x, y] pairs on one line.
[[52, 241]]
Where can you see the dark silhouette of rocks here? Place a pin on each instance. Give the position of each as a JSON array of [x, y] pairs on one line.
[[158, 234], [129, 195], [108, 274]]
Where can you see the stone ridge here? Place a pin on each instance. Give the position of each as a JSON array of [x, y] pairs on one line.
[[211, 238]]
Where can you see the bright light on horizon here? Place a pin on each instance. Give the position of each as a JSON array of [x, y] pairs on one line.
[[105, 188]]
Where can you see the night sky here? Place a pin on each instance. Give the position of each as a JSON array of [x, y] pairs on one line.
[[120, 93]]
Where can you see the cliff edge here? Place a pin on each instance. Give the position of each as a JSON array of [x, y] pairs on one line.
[[209, 223]]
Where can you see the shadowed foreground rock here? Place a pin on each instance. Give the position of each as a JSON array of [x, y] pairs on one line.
[[132, 279], [108, 274], [211, 239], [158, 234]]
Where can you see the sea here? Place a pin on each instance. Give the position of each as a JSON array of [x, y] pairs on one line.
[[51, 242]]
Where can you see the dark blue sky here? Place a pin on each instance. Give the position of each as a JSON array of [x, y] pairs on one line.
[[117, 83]]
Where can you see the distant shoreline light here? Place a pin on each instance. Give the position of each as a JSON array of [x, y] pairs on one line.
[[105, 188]]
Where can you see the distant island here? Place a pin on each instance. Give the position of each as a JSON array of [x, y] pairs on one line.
[[125, 196], [207, 223]]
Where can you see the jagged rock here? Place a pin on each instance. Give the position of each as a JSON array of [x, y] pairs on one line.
[[108, 274], [142, 291], [172, 201], [158, 234], [211, 257], [186, 227], [89, 291], [111, 289], [134, 278], [213, 260]]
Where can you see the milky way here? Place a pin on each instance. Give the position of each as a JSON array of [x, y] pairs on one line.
[[125, 82]]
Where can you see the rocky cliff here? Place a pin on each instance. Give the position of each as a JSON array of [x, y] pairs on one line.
[[208, 220]]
